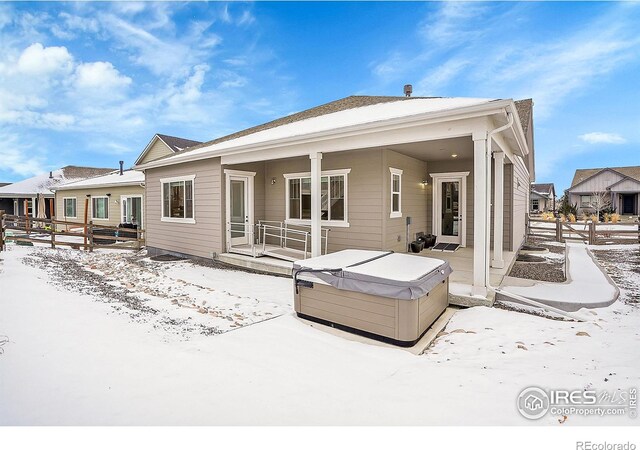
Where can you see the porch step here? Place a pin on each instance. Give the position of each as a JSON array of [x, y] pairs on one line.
[[262, 264]]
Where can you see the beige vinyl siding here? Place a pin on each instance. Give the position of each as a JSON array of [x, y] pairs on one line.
[[201, 238], [364, 195], [520, 185], [115, 210], [157, 150], [413, 200], [453, 165]]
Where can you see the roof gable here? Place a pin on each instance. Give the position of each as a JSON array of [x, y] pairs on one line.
[[162, 145], [582, 175], [44, 183]]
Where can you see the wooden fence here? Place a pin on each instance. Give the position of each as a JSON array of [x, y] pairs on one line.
[[87, 236], [590, 232]]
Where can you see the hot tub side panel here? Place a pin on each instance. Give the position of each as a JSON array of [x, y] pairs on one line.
[[400, 321]]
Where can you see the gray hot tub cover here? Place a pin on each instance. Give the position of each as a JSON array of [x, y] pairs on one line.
[[386, 274]]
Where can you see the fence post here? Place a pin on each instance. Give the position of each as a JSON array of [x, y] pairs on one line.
[[592, 233], [53, 236], [558, 230], [91, 235]]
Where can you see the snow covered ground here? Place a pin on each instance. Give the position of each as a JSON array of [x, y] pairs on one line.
[[117, 349]]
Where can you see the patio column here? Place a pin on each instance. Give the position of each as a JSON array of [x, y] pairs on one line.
[[479, 215], [316, 214], [498, 209]]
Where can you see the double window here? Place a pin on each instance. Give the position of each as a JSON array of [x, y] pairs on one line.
[[333, 197], [177, 199], [588, 201], [396, 192], [100, 208], [69, 205]]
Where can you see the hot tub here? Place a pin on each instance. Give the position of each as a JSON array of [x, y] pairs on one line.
[[392, 297]]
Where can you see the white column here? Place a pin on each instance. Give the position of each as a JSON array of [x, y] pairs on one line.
[[479, 214], [498, 209], [316, 215]]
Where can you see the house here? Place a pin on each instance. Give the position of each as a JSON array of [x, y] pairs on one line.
[[365, 172], [111, 199], [542, 198], [21, 198], [116, 197], [617, 187]]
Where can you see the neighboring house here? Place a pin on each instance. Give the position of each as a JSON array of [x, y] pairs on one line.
[[117, 197], [161, 146], [542, 198], [618, 187], [361, 166], [6, 204], [111, 199], [21, 198]]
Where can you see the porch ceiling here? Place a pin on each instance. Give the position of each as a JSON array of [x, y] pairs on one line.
[[437, 150]]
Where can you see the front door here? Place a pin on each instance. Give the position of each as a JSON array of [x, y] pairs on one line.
[[239, 224], [628, 203], [449, 202]]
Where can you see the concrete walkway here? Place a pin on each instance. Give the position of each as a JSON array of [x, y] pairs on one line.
[[587, 285]]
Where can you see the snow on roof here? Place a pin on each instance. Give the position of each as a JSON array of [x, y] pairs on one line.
[[129, 177], [45, 182], [341, 119]]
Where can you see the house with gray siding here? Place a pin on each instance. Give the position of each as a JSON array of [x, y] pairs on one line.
[[617, 187], [362, 172]]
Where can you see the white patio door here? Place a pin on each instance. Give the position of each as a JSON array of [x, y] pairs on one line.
[[131, 209], [449, 207], [239, 201]]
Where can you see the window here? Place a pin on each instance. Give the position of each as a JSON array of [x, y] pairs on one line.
[[535, 204], [177, 199], [69, 205], [587, 201], [396, 192], [333, 204], [100, 208], [30, 208]]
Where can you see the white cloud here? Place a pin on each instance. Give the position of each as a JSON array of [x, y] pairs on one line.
[[39, 60], [598, 137], [436, 79], [100, 75]]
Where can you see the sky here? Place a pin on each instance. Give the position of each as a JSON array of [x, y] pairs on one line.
[[91, 83]]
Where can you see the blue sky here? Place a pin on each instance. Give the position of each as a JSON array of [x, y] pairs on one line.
[[90, 83]]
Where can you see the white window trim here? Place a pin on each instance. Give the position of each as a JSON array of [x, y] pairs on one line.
[[64, 207], [141, 197], [96, 218], [395, 214], [327, 223], [191, 220]]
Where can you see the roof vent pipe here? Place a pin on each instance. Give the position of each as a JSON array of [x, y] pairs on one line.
[[408, 89], [50, 174], [121, 169]]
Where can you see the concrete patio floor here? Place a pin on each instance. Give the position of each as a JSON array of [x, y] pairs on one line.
[[460, 281]]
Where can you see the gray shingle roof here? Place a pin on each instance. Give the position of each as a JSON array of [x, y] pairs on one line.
[[543, 188], [177, 144], [583, 174], [524, 108]]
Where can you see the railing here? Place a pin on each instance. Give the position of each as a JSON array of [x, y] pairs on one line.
[[278, 233], [45, 231], [589, 232]]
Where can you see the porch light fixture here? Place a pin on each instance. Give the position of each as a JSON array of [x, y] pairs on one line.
[[454, 155], [425, 182], [108, 194], [273, 180]]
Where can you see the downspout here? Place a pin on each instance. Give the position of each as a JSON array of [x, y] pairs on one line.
[[487, 235]]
